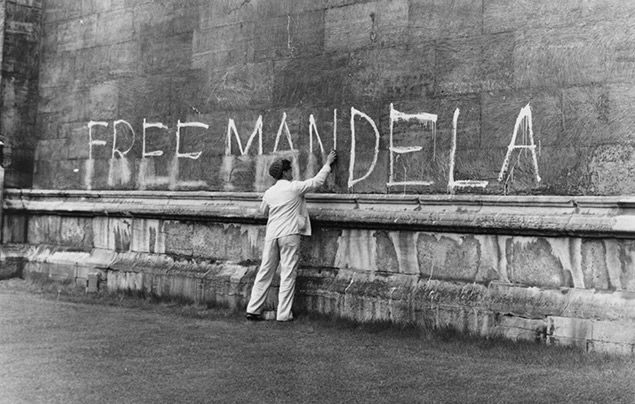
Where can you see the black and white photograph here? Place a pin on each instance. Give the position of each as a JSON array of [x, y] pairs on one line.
[[317, 201]]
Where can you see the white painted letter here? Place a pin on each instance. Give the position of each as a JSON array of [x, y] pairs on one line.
[[452, 184], [400, 116], [91, 142], [524, 118], [231, 127], [312, 130], [351, 167], [90, 163], [119, 170], [174, 181], [146, 175], [179, 125], [284, 125], [146, 125], [115, 150]]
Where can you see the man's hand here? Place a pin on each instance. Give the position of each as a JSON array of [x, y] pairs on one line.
[[330, 159]]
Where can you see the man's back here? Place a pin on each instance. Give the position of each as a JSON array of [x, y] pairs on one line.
[[287, 208]]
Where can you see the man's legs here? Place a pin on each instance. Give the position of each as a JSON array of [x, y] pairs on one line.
[[289, 260], [270, 259]]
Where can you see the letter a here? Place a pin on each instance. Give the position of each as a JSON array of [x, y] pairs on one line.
[[524, 117]]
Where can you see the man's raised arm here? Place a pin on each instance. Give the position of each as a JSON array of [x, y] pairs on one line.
[[320, 178]]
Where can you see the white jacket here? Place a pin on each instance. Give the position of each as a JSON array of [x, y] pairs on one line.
[[286, 205]]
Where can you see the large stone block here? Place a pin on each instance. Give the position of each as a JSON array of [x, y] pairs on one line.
[[616, 332], [607, 168], [100, 232], [457, 68], [178, 238], [147, 236], [77, 141], [228, 12], [528, 302], [502, 15], [242, 86], [53, 149], [76, 232], [44, 229], [558, 173], [223, 46], [103, 63], [434, 19], [387, 259], [356, 250], [102, 100], [77, 33], [120, 234], [296, 35], [59, 10], [586, 117], [50, 126], [311, 81], [100, 6], [14, 228], [558, 57], [171, 54], [57, 70], [531, 262], [162, 19], [376, 23], [518, 328], [114, 26], [135, 94], [571, 331], [52, 102], [391, 74], [448, 256], [223, 242], [321, 248]]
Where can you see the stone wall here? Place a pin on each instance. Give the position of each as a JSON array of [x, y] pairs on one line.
[[388, 82]]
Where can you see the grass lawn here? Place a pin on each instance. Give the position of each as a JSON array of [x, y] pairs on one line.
[[78, 348]]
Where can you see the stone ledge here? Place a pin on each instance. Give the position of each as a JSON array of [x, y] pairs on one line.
[[514, 215]]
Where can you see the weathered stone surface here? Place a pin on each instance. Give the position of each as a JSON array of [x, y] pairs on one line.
[[571, 331], [501, 15], [376, 23], [43, 229], [147, 236], [76, 232], [181, 59], [434, 19], [14, 228]]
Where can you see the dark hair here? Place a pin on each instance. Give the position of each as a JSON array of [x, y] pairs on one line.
[[278, 167]]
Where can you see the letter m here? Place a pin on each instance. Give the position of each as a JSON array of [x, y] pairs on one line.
[[231, 128]]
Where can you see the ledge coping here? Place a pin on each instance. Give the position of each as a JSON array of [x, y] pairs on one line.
[[587, 216]]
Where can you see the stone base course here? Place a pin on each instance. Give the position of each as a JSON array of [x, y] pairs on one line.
[[497, 310]]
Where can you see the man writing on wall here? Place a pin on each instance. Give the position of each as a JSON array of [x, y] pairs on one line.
[[288, 221]]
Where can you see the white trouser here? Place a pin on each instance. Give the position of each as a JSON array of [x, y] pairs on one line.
[[286, 251]]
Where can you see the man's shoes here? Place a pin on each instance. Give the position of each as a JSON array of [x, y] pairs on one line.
[[253, 317]]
